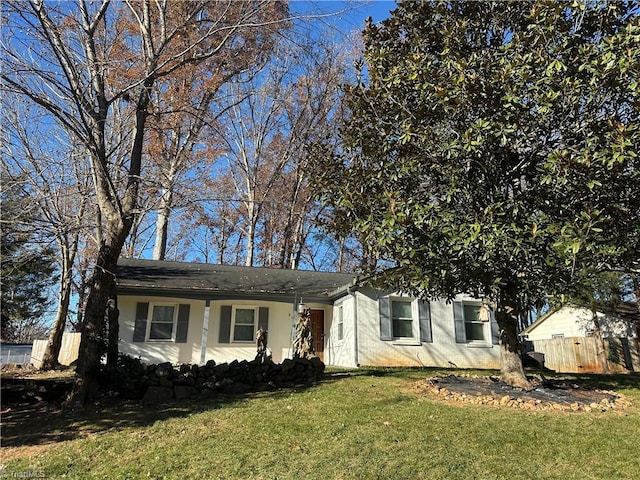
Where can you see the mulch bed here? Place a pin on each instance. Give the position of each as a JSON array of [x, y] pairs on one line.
[[546, 394]]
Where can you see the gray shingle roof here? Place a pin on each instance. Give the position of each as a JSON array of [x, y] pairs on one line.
[[205, 280]]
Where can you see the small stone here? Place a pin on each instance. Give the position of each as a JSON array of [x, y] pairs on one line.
[[184, 392], [237, 388], [288, 364], [155, 395], [221, 368]]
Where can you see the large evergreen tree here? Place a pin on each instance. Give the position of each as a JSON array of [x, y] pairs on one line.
[[27, 269], [493, 149]]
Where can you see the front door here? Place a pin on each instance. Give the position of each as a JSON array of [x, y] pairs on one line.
[[317, 330]]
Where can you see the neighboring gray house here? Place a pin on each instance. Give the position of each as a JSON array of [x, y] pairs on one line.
[[191, 312]]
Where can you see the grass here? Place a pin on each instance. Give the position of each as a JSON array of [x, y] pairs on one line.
[[361, 425]]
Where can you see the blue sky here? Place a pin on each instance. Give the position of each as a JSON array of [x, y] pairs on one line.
[[352, 14]]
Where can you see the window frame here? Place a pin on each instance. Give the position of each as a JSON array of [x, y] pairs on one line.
[[486, 325], [256, 313], [150, 322], [340, 322], [415, 319]]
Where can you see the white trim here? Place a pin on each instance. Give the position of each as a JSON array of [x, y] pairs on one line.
[[256, 312], [150, 318], [415, 321], [486, 326]]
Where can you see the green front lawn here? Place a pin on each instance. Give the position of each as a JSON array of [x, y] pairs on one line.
[[362, 424]]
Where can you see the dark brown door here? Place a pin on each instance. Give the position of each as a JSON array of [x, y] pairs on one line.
[[317, 330]]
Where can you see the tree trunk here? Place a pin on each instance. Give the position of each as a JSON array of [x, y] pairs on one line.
[[93, 343], [112, 315], [162, 225], [511, 369], [51, 353], [341, 255], [297, 243], [252, 216], [600, 348], [636, 291]]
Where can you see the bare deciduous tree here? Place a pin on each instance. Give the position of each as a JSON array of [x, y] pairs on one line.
[[292, 103], [76, 61], [58, 182]]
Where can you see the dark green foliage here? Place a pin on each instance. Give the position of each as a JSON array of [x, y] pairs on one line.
[[493, 147], [27, 269]]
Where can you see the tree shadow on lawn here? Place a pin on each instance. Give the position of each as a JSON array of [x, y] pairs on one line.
[[598, 381], [39, 421], [549, 387], [408, 373], [613, 382], [42, 421]]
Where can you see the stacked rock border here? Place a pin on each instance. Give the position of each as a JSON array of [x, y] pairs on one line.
[[159, 383], [440, 388]]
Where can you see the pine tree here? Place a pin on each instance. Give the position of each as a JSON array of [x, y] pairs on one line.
[[27, 269]]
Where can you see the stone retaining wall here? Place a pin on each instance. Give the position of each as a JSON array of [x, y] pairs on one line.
[[164, 382]]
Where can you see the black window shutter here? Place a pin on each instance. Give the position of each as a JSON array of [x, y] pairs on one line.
[[424, 313], [183, 323], [140, 324], [458, 320], [225, 324], [263, 318], [495, 330], [385, 318]]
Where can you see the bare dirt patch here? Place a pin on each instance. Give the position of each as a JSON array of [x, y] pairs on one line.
[[546, 395]]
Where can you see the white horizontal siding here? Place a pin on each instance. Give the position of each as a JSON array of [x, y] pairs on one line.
[[442, 352]]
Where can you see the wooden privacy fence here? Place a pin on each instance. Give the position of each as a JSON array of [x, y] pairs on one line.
[[580, 355], [68, 350]]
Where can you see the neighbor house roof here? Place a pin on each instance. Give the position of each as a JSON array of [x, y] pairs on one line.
[[210, 281], [627, 310], [538, 322]]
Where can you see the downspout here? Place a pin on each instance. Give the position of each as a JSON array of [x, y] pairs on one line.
[[205, 331], [294, 321], [355, 324]]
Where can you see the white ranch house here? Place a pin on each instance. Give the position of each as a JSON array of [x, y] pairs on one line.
[[191, 313]]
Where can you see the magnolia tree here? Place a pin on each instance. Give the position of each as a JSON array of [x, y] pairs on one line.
[[492, 150]]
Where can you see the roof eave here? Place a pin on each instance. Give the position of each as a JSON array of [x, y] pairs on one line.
[[206, 294]]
